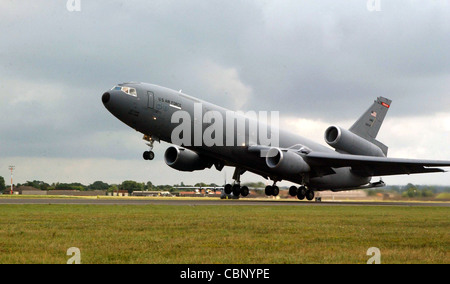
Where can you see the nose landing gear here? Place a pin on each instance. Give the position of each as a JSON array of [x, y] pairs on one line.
[[149, 155]]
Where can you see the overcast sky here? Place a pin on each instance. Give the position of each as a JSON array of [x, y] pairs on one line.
[[319, 63]]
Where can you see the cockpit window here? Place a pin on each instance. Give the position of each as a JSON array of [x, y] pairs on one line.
[[126, 90]]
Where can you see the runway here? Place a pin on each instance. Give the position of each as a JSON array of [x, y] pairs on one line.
[[209, 202]]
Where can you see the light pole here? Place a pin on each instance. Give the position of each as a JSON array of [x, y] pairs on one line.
[[11, 168]]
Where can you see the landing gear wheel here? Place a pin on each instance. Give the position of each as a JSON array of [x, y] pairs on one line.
[[228, 189], [236, 190], [310, 195], [148, 155], [245, 191], [301, 194], [272, 190], [269, 190], [293, 191], [276, 191]]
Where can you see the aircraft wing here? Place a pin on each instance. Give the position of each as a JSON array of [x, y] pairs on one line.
[[374, 166]]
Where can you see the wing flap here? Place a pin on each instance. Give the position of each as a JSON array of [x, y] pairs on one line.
[[375, 166]]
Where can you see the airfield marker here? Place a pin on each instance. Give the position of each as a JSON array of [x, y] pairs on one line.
[[12, 169]]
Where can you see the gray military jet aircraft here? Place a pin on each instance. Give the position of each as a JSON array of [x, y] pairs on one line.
[[159, 113]]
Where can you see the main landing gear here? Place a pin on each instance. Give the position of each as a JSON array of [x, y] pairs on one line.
[[236, 188], [302, 192], [149, 155], [272, 190]]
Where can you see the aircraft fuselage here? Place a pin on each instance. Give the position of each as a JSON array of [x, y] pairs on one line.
[[151, 108]]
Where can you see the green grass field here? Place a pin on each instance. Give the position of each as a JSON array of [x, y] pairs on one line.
[[223, 234]]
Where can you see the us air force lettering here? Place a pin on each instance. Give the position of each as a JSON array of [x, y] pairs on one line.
[[205, 135]]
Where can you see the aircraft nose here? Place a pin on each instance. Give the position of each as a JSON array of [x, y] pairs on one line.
[[106, 97]]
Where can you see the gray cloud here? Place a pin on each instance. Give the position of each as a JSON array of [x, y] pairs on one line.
[[300, 54]]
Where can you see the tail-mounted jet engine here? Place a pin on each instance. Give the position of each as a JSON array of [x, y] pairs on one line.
[[348, 142], [185, 160]]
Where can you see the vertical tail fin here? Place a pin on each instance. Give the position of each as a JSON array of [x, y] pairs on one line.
[[369, 124]]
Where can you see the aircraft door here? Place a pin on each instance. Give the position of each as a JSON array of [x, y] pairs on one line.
[[151, 100], [149, 120]]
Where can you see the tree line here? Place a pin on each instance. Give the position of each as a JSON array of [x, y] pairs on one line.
[[410, 190], [128, 185]]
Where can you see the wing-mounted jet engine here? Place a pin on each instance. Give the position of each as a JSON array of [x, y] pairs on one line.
[[185, 160], [286, 162]]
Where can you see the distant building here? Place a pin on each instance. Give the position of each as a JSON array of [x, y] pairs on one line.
[[343, 195], [151, 193], [8, 190], [120, 193], [77, 192], [197, 193], [29, 190]]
